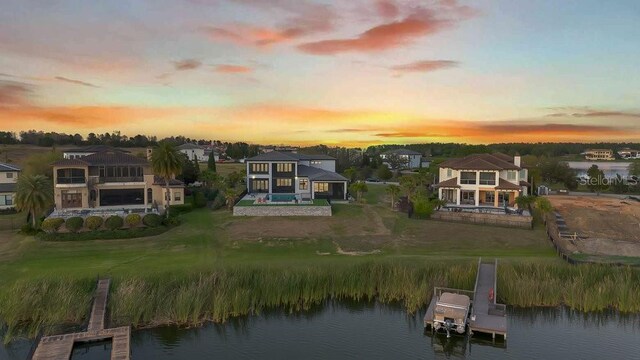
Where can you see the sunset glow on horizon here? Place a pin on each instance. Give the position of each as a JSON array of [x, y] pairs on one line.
[[302, 72]]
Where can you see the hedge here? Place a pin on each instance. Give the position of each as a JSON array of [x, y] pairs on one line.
[[152, 220], [74, 224], [133, 220], [93, 222], [131, 233], [52, 225], [114, 222]]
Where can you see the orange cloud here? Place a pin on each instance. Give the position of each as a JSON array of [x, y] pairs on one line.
[[424, 66], [14, 93], [382, 37], [232, 69]]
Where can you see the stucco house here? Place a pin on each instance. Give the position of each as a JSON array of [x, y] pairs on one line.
[[306, 176], [599, 154], [8, 178], [193, 151], [493, 180], [629, 154], [412, 159], [110, 179]]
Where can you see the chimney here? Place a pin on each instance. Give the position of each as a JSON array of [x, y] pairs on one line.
[[149, 151], [517, 160]]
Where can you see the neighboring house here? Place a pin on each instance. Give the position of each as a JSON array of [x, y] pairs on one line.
[[110, 179], [412, 159], [483, 180], [88, 150], [209, 151], [310, 176], [629, 154], [599, 154], [8, 178], [193, 151]]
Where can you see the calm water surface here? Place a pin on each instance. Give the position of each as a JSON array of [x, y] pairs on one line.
[[374, 331]]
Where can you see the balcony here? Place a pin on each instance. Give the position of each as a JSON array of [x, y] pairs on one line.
[[120, 179], [77, 180]]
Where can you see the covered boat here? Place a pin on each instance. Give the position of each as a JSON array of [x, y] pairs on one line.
[[451, 313]]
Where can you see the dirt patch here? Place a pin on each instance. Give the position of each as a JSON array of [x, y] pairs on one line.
[[605, 226]]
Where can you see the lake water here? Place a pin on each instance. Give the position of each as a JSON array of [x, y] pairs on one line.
[[610, 168], [374, 331]]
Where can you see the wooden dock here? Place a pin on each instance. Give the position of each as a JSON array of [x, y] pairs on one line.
[[59, 347], [486, 315]]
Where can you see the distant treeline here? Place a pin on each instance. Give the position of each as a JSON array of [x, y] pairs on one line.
[[536, 149]]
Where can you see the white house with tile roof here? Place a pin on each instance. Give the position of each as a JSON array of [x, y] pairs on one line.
[[8, 179]]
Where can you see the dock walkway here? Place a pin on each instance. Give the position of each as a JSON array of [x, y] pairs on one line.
[[58, 347], [486, 316]]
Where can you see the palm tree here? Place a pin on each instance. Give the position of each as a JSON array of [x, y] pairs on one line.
[[359, 188], [544, 205], [394, 192], [525, 202], [34, 193], [439, 203], [167, 163], [409, 186], [230, 194]]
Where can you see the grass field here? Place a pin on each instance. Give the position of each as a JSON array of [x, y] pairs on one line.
[[224, 169], [215, 265]]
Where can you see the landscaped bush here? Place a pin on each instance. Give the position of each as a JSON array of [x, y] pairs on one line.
[[52, 225], [180, 209], [199, 200], [219, 202], [152, 220], [422, 207], [74, 224], [114, 222], [27, 229], [93, 222], [133, 220], [172, 220]]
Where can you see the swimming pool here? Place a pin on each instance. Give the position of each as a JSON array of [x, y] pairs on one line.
[[282, 197]]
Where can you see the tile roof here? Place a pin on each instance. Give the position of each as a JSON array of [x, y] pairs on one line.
[[4, 167], [10, 187], [451, 183], [288, 156], [481, 162], [506, 185], [95, 149], [401, 152], [190, 146], [317, 174], [103, 158], [159, 180]]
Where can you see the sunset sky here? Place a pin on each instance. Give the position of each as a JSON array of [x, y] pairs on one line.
[[357, 72]]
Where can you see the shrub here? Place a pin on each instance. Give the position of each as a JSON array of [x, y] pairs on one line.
[[133, 220], [93, 222], [27, 229], [52, 225], [422, 207], [180, 209], [172, 220], [152, 220], [114, 222], [74, 224], [199, 200], [219, 202]]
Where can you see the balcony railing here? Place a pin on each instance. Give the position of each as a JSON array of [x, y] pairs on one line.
[[72, 180], [119, 179]]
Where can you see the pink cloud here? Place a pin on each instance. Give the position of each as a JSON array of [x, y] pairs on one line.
[[424, 66], [381, 37], [232, 69]]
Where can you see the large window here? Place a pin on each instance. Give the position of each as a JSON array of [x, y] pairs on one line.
[[487, 178], [490, 197], [9, 175], [260, 185], [511, 175], [468, 197], [70, 176], [283, 182], [304, 184], [259, 168], [6, 199], [121, 173], [449, 173], [523, 175], [113, 197], [504, 198], [468, 178], [284, 167], [320, 187]]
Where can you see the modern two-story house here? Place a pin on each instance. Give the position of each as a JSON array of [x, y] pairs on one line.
[[412, 159], [110, 178], [288, 173], [8, 178], [194, 151], [599, 154], [493, 180]]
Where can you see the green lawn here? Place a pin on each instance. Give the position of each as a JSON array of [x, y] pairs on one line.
[[224, 169]]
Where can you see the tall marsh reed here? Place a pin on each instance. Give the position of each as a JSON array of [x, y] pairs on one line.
[[224, 292]]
